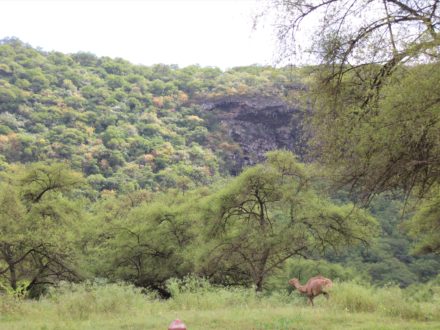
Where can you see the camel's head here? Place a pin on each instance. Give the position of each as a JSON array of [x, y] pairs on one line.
[[294, 282]]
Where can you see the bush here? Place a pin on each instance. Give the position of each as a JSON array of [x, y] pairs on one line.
[[193, 293], [353, 297], [79, 301], [392, 301]]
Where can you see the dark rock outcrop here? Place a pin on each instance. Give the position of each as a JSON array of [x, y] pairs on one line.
[[257, 124]]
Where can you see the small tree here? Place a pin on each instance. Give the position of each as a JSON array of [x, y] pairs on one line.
[[141, 241]]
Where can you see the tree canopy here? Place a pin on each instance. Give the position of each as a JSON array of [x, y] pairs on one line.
[[375, 120], [39, 225], [271, 213]]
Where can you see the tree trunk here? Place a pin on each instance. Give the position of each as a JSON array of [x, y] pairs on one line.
[[11, 265], [261, 270], [259, 284], [13, 278]]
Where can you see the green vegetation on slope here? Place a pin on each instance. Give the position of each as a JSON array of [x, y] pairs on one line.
[[124, 126]]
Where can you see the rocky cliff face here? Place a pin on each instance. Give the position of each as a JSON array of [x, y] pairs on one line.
[[257, 124]]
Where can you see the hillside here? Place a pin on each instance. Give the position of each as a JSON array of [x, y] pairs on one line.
[[128, 126], [169, 156]]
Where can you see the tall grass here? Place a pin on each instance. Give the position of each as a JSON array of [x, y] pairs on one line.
[[390, 301], [81, 301], [120, 305], [199, 294], [78, 301]]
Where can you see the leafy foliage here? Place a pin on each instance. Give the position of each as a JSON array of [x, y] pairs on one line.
[[425, 223], [39, 223], [121, 122], [139, 185], [271, 213], [376, 117]]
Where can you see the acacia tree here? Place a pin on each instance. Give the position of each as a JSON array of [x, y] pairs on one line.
[[376, 117], [349, 34], [141, 239], [37, 226], [271, 213]]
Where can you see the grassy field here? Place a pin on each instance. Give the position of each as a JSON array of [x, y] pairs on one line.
[[201, 306]]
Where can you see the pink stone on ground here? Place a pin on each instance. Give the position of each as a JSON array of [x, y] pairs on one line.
[[177, 325]]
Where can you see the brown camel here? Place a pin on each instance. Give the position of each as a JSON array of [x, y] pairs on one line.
[[314, 287]]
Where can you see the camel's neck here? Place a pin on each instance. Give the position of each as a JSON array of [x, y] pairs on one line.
[[299, 287]]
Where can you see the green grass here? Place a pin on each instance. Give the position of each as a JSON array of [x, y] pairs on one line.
[[201, 306]]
